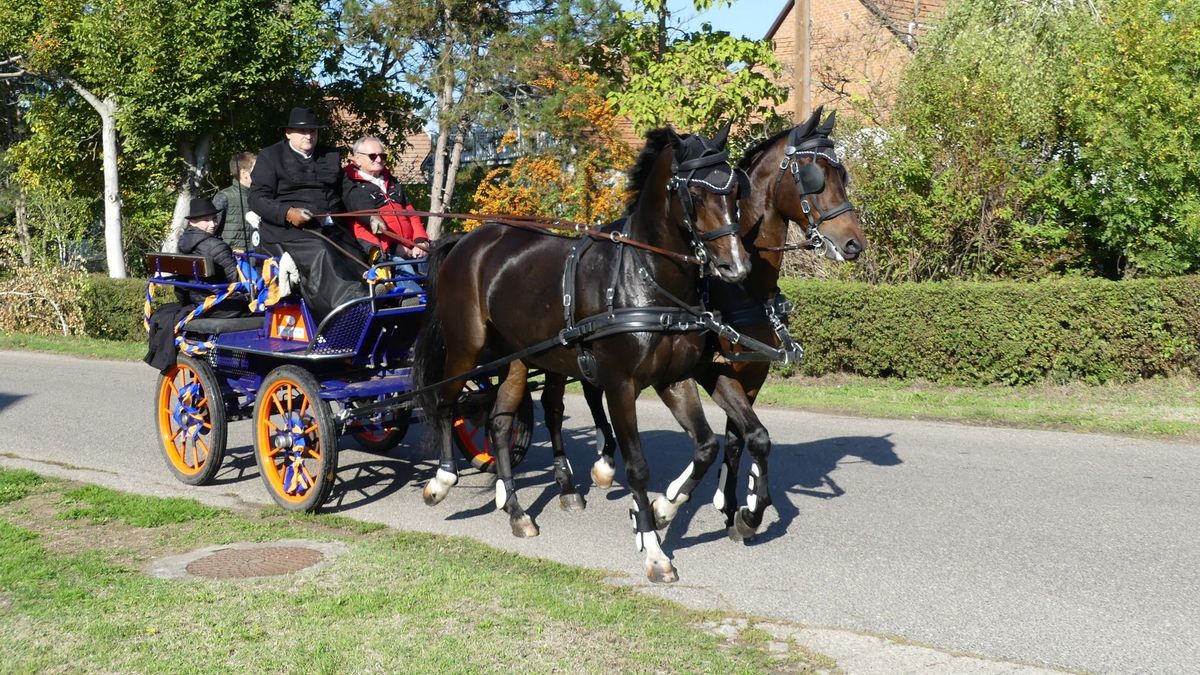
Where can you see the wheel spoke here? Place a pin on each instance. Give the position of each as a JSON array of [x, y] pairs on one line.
[[174, 389], [278, 403], [312, 482], [200, 444]]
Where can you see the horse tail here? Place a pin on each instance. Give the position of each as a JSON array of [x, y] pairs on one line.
[[429, 350]]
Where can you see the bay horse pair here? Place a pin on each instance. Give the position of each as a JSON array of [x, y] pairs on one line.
[[815, 186], [796, 177], [501, 290]]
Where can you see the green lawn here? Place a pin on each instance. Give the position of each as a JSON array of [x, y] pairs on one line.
[[74, 596]]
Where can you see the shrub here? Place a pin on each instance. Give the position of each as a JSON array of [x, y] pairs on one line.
[[1012, 333], [112, 308], [42, 300]]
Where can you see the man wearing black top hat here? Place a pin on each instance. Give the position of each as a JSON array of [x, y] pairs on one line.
[[295, 183], [199, 238]]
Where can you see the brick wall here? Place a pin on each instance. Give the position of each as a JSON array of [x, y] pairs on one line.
[[858, 50]]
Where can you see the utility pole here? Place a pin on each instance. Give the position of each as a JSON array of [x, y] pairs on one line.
[[802, 58]]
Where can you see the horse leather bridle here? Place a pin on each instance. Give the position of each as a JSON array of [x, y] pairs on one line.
[[818, 146]]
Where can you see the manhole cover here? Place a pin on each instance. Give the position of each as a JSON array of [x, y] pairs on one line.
[[235, 563], [247, 560]]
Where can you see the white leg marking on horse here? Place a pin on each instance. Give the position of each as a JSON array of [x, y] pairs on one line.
[[501, 495], [719, 497], [677, 484], [447, 477]]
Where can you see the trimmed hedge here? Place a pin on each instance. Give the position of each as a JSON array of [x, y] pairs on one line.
[[952, 332], [112, 308], [999, 332]]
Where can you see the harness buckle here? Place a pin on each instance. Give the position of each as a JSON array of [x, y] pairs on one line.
[[615, 237], [701, 253], [805, 207]]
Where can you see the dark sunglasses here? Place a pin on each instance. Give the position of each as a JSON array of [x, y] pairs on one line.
[[376, 156]]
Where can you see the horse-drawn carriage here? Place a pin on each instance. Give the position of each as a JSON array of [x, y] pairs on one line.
[[304, 384], [620, 307]]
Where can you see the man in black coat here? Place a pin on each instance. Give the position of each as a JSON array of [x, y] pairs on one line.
[[294, 183]]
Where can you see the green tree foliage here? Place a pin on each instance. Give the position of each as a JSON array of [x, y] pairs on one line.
[[1134, 115], [696, 81], [185, 79], [964, 182], [1036, 138]]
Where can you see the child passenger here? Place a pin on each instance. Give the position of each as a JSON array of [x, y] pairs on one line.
[[199, 238]]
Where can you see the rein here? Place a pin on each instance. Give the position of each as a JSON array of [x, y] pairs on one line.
[[534, 223]]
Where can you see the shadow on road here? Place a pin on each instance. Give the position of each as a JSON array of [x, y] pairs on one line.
[[9, 399]]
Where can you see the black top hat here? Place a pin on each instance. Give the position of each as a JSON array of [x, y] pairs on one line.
[[199, 207], [303, 118]]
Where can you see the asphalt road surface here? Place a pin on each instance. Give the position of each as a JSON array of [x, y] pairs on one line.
[[1058, 549]]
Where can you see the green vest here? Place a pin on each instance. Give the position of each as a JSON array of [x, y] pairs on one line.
[[234, 202]]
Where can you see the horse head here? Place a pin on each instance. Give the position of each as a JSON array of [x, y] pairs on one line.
[[688, 182], [808, 187]]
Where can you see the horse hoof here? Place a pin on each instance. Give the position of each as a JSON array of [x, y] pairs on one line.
[[661, 573], [743, 529], [602, 474], [434, 494], [664, 512], [524, 528], [572, 502]]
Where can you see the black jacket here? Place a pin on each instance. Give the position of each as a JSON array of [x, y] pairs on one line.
[[198, 242], [282, 179]]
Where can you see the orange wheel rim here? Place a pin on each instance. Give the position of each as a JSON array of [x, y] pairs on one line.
[[288, 442], [475, 440], [184, 419]]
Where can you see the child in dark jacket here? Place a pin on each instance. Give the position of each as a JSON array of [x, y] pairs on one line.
[[200, 238]]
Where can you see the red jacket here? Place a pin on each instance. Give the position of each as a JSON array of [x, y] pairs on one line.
[[361, 194]]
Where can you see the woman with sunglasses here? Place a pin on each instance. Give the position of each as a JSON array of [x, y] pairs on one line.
[[370, 186]]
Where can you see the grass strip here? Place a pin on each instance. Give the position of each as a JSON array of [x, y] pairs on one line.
[[1156, 408], [115, 350], [74, 593]]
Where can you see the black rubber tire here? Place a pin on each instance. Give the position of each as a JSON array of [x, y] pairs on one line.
[[212, 411], [311, 410], [390, 437], [471, 436]]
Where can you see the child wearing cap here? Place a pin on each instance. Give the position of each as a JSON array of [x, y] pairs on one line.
[[199, 238]]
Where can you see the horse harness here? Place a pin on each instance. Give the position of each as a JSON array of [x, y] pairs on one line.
[[682, 317]]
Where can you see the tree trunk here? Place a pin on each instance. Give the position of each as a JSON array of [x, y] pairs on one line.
[[437, 203], [114, 249], [23, 230], [456, 150], [196, 168], [113, 246]]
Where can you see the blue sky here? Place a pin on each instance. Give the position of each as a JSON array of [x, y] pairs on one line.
[[746, 18]]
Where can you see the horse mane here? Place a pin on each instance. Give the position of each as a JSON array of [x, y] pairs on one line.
[[656, 141], [752, 154]]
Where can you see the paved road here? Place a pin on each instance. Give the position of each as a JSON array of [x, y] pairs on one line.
[[1063, 550]]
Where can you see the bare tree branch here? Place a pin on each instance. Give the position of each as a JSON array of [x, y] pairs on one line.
[[12, 62]]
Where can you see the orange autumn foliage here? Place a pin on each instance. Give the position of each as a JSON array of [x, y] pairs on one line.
[[581, 181]]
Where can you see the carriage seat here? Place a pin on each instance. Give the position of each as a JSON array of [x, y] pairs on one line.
[[180, 264], [211, 326]]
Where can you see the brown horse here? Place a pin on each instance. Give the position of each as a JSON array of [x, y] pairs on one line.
[[795, 177], [625, 317]]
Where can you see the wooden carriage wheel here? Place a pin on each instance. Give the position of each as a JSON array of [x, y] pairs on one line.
[[295, 439], [189, 412]]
